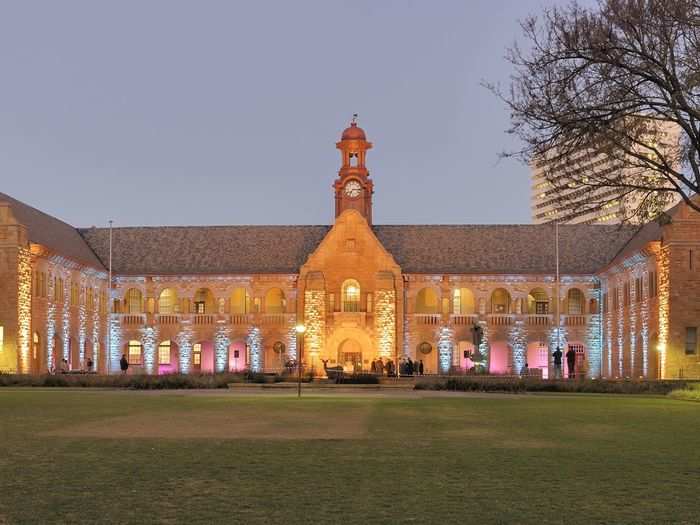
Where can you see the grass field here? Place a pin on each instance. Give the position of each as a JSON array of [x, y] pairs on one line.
[[70, 456]]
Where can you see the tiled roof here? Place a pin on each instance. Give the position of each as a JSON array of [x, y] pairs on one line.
[[500, 249], [58, 236], [496, 249], [172, 250]]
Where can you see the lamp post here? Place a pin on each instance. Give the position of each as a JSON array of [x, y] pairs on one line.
[[300, 329]]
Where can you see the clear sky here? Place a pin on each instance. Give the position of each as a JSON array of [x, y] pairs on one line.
[[206, 112]]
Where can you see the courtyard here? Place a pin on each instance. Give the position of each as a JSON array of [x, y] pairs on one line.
[[92, 456]]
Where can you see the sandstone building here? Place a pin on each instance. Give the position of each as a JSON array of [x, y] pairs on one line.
[[224, 298]]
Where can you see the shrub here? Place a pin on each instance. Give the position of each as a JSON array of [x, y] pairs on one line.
[[136, 382], [689, 393], [357, 379], [517, 385]]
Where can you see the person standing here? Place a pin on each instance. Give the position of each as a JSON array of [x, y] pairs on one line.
[[409, 367], [557, 363], [124, 364], [373, 367], [571, 362], [420, 367], [380, 367]]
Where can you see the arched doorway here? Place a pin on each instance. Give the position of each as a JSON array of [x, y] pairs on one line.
[[538, 358], [426, 352], [203, 357], [498, 357], [237, 356], [168, 358], [350, 355]]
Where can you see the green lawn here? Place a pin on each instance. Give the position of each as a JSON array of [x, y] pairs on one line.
[[69, 456]]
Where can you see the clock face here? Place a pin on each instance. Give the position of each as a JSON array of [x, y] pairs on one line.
[[353, 189]]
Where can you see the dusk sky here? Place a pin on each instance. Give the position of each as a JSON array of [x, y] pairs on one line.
[[170, 112]]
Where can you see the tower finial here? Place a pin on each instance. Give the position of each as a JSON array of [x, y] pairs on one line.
[[354, 119]]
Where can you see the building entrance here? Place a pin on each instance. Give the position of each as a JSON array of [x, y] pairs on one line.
[[350, 356]]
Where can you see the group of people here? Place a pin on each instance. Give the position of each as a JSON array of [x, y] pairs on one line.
[[379, 367], [64, 368], [570, 363], [407, 367]]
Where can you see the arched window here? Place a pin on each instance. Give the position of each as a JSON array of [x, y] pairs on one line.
[[35, 345], [240, 301], [351, 296], [574, 300], [204, 301], [167, 301], [134, 353], [500, 301], [133, 301], [462, 301], [274, 301], [164, 353], [593, 306], [427, 302], [537, 302]]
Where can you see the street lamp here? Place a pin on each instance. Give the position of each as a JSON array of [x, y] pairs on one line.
[[300, 329]]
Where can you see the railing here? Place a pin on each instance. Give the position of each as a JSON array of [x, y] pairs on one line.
[[500, 319], [204, 319], [429, 319], [133, 319], [575, 320], [240, 318], [464, 320], [274, 319], [539, 320], [168, 319]]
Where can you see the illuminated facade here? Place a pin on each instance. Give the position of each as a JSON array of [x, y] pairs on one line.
[[217, 299]]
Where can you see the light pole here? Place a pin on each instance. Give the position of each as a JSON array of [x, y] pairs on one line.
[[300, 329]]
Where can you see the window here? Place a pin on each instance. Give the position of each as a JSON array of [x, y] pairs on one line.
[[275, 301], [691, 340], [538, 302], [167, 301], [351, 296], [133, 301], [2, 338], [463, 301], [653, 284], [35, 345], [204, 301], [74, 294], [134, 353], [370, 299], [605, 303], [89, 299], [500, 301], [197, 354], [164, 353], [240, 301], [638, 289], [575, 301], [616, 298], [626, 293]]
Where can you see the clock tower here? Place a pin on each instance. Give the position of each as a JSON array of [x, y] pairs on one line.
[[353, 189]]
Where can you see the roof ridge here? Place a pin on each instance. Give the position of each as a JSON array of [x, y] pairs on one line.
[[6, 196]]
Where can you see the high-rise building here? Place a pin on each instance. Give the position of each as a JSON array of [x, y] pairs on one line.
[[586, 187]]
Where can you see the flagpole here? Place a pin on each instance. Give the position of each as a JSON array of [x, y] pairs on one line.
[[556, 286], [109, 305]]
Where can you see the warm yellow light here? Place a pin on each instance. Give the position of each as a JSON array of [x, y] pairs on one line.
[[300, 328]]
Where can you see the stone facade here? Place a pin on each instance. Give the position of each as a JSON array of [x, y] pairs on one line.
[[207, 300]]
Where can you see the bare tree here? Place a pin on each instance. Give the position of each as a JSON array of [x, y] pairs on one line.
[[618, 82]]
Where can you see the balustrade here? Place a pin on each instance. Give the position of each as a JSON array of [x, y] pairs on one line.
[[539, 320]]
